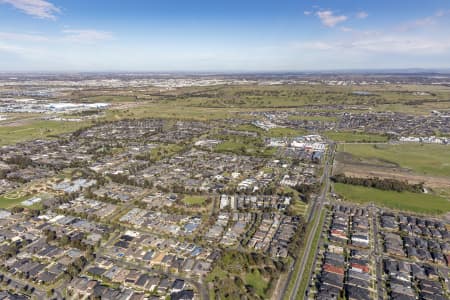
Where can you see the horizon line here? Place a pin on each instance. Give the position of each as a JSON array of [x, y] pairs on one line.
[[410, 70]]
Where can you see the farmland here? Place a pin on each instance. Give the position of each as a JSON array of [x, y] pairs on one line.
[[423, 159], [405, 201]]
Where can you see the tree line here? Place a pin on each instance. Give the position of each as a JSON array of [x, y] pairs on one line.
[[386, 184]]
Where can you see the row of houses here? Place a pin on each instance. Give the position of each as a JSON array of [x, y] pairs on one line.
[[241, 202], [408, 280], [150, 250], [349, 225], [419, 239], [161, 222], [345, 268], [133, 286]]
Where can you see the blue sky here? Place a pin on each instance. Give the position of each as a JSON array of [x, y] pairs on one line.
[[244, 35]]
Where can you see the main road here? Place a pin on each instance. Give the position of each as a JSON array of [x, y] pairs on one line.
[[317, 225]]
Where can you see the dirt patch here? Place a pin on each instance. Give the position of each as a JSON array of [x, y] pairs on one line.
[[349, 165]]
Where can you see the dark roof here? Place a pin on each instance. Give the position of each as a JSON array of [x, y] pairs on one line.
[[183, 295], [96, 271], [178, 284]]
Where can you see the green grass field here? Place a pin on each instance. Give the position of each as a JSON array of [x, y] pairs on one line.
[[423, 159], [250, 127], [299, 208], [12, 199], [406, 201], [296, 96], [35, 130], [244, 146], [193, 200], [168, 111]]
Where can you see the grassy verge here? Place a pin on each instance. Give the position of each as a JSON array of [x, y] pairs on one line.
[[295, 272], [405, 201], [310, 263]]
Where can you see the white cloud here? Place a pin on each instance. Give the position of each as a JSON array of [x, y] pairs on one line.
[[402, 45], [307, 12], [19, 50], [386, 44], [346, 29], [417, 24], [362, 15], [442, 13], [314, 45], [328, 18], [86, 35], [425, 21], [37, 8], [10, 48], [22, 37]]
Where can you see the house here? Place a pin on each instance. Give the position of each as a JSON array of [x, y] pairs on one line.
[[178, 285], [183, 295]]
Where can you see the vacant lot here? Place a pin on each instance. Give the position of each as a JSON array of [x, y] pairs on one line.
[[193, 200], [243, 146], [431, 160], [355, 137], [418, 203]]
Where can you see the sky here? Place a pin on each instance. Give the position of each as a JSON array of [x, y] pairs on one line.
[[223, 36]]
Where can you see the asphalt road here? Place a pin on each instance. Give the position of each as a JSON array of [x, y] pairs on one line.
[[316, 210]]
